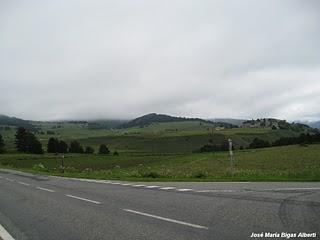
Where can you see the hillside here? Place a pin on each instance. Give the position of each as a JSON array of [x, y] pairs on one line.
[[237, 122], [16, 122], [162, 118], [275, 124]]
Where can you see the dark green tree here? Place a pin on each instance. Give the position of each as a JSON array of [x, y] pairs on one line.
[[33, 144], [103, 149], [1, 145], [75, 147], [27, 142], [63, 147], [89, 150], [21, 139], [53, 145]]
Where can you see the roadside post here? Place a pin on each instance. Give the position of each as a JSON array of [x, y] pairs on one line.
[[62, 163], [231, 156]]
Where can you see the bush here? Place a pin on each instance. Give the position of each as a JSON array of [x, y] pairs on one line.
[[259, 143], [40, 167], [150, 175], [89, 150], [223, 146], [200, 175], [75, 147], [103, 149]]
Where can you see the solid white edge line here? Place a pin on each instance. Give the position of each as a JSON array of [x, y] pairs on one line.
[[4, 234], [83, 199], [45, 189], [288, 189], [166, 219], [217, 190], [23, 183]]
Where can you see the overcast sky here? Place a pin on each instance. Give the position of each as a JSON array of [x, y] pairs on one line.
[[90, 59]]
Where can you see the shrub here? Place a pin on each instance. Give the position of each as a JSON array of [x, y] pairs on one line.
[[259, 143], [200, 175], [150, 175], [89, 150], [103, 149]]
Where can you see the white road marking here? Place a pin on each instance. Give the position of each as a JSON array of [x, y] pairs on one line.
[[216, 190], [83, 199], [115, 183], [139, 185], [288, 189], [4, 234], [45, 189], [184, 189], [10, 180], [166, 219], [1, 177], [23, 183], [126, 184], [167, 188], [152, 186]]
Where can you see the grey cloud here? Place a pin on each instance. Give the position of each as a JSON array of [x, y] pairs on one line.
[[120, 59]]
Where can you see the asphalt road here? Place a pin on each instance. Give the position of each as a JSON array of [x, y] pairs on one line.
[[38, 207]]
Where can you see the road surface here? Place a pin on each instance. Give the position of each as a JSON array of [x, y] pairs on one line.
[[40, 207]]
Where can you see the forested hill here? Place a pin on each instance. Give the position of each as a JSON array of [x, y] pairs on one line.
[[17, 122], [161, 118]]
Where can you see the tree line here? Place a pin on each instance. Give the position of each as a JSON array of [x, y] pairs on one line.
[[59, 146], [26, 142], [303, 138]]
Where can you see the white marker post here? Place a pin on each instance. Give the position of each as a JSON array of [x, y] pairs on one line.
[[231, 156], [62, 163]]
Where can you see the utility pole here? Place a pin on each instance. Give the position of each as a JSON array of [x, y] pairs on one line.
[[231, 157]]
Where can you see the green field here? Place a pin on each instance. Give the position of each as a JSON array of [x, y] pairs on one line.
[[289, 163], [165, 152], [174, 137]]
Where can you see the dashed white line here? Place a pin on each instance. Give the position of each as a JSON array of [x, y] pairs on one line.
[[1, 177], [23, 183], [4, 234], [166, 219], [152, 186], [115, 183], [184, 189], [126, 184], [83, 199], [9, 179], [45, 189], [139, 185], [167, 188]]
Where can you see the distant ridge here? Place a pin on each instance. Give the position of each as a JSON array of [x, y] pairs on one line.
[[161, 118], [16, 122], [314, 124]]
